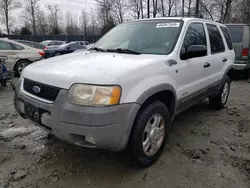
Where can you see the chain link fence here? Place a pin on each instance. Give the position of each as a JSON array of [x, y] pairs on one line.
[[68, 38]]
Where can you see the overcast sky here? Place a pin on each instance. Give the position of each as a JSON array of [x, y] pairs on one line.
[[74, 6]]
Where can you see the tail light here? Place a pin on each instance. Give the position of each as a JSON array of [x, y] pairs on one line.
[[42, 54], [245, 52], [45, 48]]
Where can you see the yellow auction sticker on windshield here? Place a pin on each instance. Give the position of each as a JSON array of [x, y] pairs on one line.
[[170, 24]]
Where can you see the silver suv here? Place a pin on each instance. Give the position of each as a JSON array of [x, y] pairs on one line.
[[126, 91]]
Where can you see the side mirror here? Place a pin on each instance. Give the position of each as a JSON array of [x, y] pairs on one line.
[[68, 48], [194, 51]]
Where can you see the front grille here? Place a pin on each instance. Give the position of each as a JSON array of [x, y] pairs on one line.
[[46, 91]]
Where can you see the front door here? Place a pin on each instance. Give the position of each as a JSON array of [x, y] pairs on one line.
[[191, 80]]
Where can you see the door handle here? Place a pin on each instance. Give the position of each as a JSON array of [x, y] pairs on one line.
[[207, 65], [12, 53], [224, 59]]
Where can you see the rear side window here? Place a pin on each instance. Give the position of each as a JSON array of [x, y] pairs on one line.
[[236, 33], [58, 43], [5, 45], [216, 41], [195, 35], [16, 47], [227, 37]]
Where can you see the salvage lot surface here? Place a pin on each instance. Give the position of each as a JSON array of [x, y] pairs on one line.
[[206, 148]]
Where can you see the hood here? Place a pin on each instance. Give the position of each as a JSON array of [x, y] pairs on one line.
[[85, 67]]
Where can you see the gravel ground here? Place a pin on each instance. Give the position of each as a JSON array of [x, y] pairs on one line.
[[206, 148]]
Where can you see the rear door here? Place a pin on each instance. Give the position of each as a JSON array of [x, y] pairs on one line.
[[217, 58], [240, 36]]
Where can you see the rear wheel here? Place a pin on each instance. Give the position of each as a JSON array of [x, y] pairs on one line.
[[20, 65], [57, 54], [149, 134], [220, 100]]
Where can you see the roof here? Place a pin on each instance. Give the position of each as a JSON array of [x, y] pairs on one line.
[[237, 24], [185, 19]]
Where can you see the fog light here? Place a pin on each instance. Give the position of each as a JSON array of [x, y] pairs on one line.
[[90, 140]]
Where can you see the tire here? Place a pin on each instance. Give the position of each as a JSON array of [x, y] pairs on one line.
[[3, 83], [219, 101], [141, 156], [57, 54], [20, 65]]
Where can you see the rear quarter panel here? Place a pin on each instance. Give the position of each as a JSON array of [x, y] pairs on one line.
[[30, 54]]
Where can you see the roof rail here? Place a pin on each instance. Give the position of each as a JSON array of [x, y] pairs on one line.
[[186, 15]]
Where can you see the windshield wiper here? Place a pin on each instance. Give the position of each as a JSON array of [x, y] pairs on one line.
[[98, 49], [123, 50]]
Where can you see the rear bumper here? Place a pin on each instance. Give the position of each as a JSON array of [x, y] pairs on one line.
[[109, 127], [241, 65]]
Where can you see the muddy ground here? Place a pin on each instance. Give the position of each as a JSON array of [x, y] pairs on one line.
[[206, 148]]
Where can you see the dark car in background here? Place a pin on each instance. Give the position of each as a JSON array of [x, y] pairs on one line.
[[63, 49], [32, 44]]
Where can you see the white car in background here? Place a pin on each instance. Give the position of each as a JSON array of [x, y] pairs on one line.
[[52, 43], [19, 55]]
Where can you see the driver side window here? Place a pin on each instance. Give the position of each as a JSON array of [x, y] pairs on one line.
[[195, 36]]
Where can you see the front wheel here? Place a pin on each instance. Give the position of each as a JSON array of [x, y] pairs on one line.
[[149, 135], [219, 101]]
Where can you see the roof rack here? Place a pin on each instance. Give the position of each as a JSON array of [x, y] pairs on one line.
[[186, 15]]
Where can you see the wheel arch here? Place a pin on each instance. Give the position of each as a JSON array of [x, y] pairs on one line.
[[163, 93], [15, 66]]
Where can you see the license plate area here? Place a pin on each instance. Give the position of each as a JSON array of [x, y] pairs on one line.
[[32, 112]]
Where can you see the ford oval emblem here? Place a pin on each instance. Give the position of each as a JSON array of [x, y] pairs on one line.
[[36, 89]]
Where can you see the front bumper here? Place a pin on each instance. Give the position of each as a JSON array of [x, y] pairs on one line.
[[109, 127]]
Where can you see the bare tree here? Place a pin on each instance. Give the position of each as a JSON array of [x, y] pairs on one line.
[[119, 8], [170, 6], [31, 9], [155, 7], [135, 8], [53, 17], [104, 10], [84, 22], [42, 22], [6, 6]]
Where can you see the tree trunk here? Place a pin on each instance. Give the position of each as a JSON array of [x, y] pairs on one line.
[[148, 7], [183, 7], [189, 8], [142, 12], [162, 8], [33, 20], [197, 8], [7, 22]]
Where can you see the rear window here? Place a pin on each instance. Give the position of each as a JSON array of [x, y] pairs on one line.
[[236, 33]]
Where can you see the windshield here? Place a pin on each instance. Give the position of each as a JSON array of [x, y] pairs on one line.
[[145, 37]]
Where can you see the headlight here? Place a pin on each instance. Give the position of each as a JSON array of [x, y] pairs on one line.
[[93, 95]]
